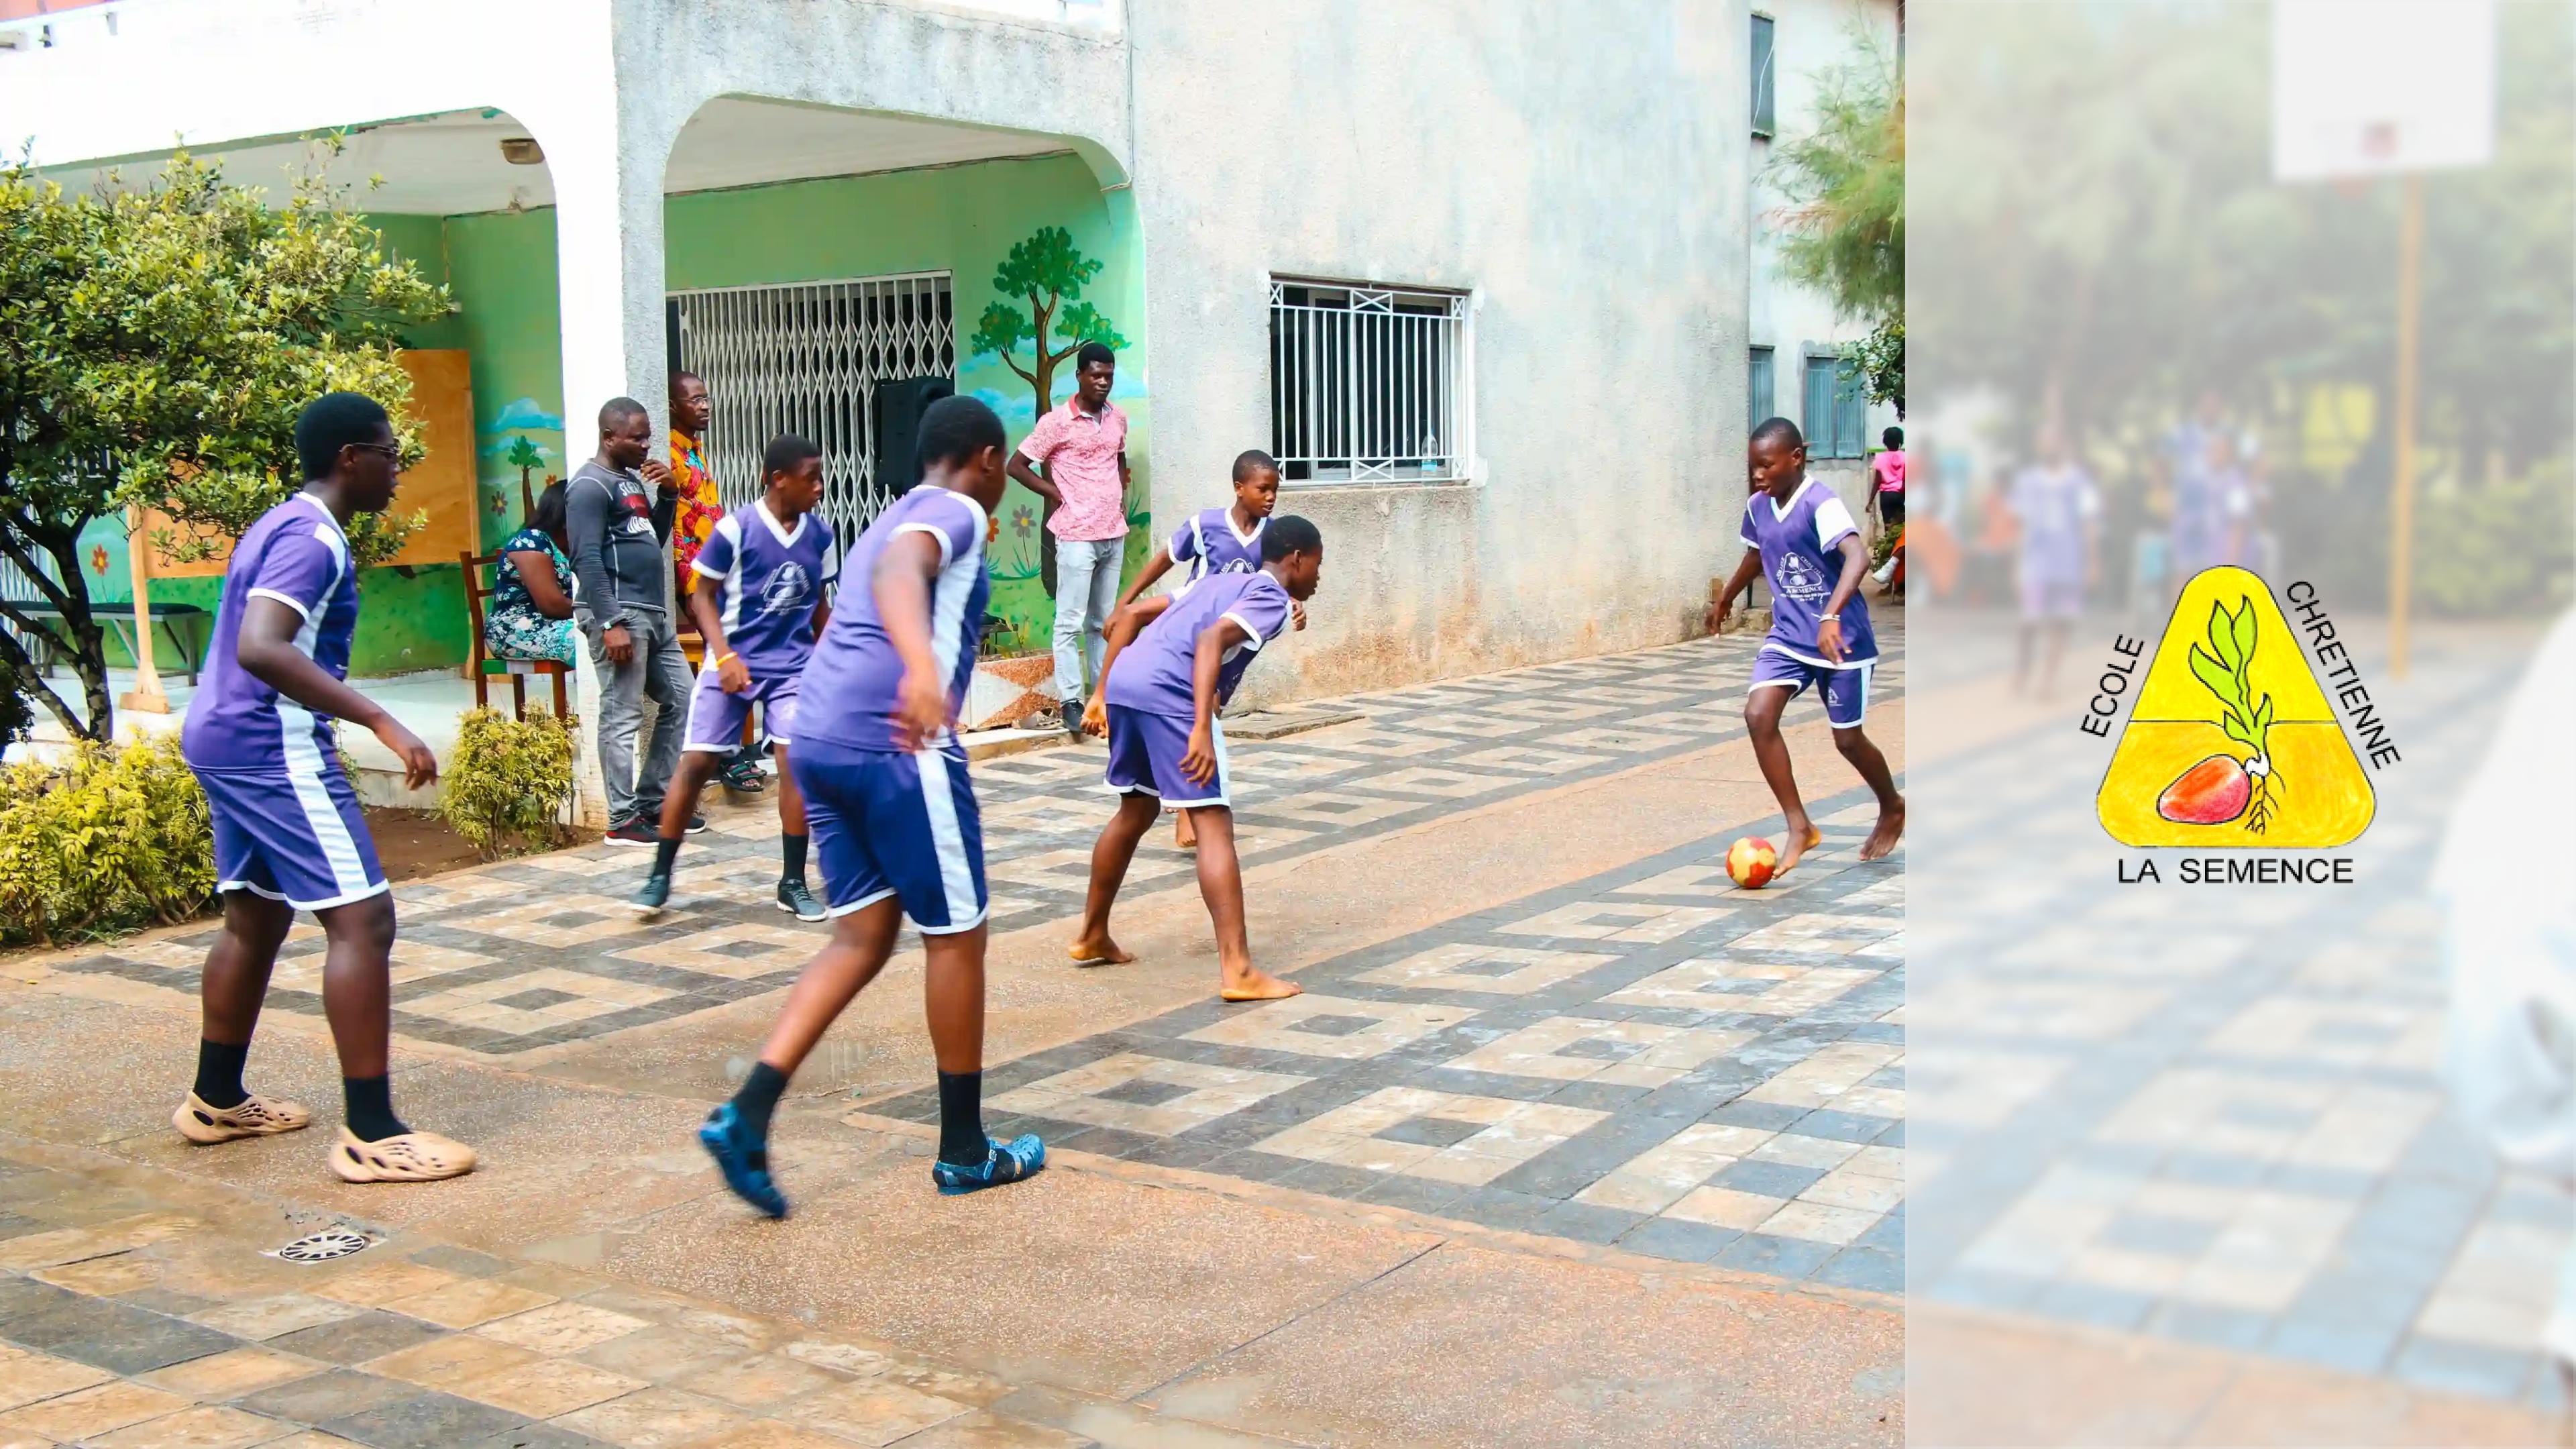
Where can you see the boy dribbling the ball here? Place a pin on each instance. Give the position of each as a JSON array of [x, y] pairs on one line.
[[1802, 540]]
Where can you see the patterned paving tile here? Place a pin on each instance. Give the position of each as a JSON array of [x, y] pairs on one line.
[[539, 951]]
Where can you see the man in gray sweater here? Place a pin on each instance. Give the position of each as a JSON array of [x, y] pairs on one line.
[[621, 549]]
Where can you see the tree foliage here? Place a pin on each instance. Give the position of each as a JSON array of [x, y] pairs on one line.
[[1844, 178], [156, 342]]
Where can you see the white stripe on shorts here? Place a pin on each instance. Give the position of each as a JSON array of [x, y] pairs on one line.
[[956, 872]]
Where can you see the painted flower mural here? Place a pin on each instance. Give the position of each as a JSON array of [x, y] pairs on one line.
[[98, 559]]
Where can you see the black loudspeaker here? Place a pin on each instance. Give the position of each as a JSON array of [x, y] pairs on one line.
[[899, 405]]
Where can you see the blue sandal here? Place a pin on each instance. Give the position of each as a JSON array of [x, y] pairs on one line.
[[1007, 1162]]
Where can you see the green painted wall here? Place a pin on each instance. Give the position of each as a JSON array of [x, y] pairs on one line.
[[501, 268]]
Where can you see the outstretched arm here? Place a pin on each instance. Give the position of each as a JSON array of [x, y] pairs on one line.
[[1157, 565], [268, 654], [902, 588], [1745, 568], [1829, 631], [1124, 626]]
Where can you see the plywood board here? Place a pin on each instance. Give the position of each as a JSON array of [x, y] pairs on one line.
[[441, 485]]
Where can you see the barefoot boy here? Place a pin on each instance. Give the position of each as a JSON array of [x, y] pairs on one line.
[[1212, 541], [895, 823], [1167, 750], [288, 835], [1802, 540], [762, 572]]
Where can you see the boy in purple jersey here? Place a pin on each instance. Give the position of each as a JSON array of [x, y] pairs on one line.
[[1213, 541], [2054, 501], [1167, 751], [759, 602], [894, 818], [1801, 539], [288, 835]]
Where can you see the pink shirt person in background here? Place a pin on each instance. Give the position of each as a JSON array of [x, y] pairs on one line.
[[1082, 446], [1887, 471]]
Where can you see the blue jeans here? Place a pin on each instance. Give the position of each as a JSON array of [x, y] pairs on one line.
[[1086, 589]]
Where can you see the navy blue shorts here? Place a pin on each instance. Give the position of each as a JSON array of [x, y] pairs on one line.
[[1145, 752], [291, 835], [891, 824], [1845, 689]]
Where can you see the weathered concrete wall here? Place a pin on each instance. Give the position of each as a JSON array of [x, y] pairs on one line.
[[1582, 168]]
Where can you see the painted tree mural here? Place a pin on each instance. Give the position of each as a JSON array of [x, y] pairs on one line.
[[1049, 272], [525, 457]]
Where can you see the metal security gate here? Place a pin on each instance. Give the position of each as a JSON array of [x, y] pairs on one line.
[[806, 358]]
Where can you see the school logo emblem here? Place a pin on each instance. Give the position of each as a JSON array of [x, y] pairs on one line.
[[2232, 743], [1802, 580], [787, 589]]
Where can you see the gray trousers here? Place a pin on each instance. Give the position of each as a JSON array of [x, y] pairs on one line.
[[658, 672], [1086, 591]]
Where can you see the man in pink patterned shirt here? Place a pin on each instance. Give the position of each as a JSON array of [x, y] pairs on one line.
[[1082, 448]]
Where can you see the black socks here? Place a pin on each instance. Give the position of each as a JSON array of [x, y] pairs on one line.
[[962, 1142], [755, 1101], [371, 1108], [219, 1073], [666, 849], [791, 850]]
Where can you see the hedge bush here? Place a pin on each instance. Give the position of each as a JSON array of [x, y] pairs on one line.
[[113, 840], [508, 782]]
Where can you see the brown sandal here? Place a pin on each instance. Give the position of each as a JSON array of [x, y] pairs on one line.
[[410, 1157], [252, 1116]]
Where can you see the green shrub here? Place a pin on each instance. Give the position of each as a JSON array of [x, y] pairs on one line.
[[115, 839], [506, 786]]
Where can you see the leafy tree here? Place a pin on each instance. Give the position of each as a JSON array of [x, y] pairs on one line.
[[156, 342], [1844, 226], [1050, 272]]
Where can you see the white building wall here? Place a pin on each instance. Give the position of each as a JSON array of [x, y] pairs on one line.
[[1809, 38], [1581, 168]]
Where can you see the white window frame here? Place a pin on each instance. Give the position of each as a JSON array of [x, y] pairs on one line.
[[1321, 356]]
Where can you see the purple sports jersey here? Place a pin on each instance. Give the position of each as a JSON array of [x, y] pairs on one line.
[[1153, 674], [297, 555], [768, 580], [1797, 542], [850, 685], [1208, 544]]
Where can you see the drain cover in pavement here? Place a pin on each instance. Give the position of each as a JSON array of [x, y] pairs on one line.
[[323, 1246]]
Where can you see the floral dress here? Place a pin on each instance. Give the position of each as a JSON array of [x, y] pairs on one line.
[[699, 505], [512, 627]]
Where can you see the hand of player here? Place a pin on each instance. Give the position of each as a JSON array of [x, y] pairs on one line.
[[920, 710], [420, 767], [731, 676], [1198, 762], [1717, 618], [1297, 613], [657, 473], [619, 644], [1095, 718], [1829, 640]]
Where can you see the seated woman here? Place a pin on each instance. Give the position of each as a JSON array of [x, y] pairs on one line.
[[531, 610]]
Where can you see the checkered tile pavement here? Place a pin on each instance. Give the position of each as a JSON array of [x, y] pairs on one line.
[[2213, 1114], [543, 950], [1650, 1058]]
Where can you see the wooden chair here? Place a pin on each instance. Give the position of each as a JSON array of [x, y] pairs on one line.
[[480, 667]]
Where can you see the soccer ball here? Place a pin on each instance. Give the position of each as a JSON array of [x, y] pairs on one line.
[[1749, 862]]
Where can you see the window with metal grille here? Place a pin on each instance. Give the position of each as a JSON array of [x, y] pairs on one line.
[[806, 358], [1766, 87], [1762, 401], [1369, 384], [1837, 416]]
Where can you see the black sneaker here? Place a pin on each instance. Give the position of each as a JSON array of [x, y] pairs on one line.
[[799, 902], [697, 825], [1073, 718], [634, 831], [653, 896]]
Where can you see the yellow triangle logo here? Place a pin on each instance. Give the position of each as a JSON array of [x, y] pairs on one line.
[[2232, 743]]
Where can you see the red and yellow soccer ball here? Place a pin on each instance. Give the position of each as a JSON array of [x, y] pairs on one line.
[[1749, 862]]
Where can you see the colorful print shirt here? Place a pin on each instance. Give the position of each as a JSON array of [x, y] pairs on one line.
[[699, 505]]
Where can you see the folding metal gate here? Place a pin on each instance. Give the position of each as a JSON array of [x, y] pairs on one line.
[[806, 358]]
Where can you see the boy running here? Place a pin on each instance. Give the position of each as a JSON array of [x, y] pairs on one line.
[[1801, 538], [761, 600], [1166, 749], [1213, 541], [288, 835], [894, 817]]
